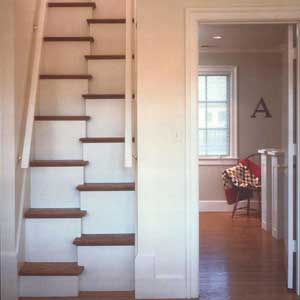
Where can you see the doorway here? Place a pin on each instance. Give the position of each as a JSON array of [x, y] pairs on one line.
[[194, 18]]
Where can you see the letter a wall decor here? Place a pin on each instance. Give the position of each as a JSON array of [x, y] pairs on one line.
[[261, 108]]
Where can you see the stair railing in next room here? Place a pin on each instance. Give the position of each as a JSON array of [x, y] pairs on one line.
[[33, 81]]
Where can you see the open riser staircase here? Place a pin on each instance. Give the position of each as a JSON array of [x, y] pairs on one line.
[[80, 228]]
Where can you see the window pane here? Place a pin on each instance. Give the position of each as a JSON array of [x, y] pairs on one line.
[[217, 142], [202, 115], [202, 88], [216, 88], [217, 115], [202, 142]]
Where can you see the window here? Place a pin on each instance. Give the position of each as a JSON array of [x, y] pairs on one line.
[[217, 112]]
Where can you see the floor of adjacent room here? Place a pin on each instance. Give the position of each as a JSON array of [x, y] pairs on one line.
[[239, 261]]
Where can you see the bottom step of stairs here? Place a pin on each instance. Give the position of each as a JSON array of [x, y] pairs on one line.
[[90, 296], [44, 279]]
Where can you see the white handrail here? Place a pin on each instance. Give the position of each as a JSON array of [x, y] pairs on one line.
[[33, 83], [128, 84]]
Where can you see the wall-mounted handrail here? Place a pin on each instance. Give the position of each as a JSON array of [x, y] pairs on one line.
[[33, 82], [128, 84]]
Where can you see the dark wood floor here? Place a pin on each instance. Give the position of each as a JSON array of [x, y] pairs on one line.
[[239, 261]]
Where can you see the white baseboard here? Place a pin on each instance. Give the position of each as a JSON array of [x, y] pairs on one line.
[[219, 205], [214, 206], [151, 285]]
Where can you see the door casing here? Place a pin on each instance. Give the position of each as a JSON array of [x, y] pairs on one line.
[[194, 17]]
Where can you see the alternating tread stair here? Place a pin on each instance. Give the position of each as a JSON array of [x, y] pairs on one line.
[[73, 206]]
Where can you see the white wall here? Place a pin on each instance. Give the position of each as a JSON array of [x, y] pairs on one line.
[[259, 75], [161, 263], [7, 148]]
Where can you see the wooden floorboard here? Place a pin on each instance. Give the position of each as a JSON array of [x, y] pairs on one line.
[[239, 261]]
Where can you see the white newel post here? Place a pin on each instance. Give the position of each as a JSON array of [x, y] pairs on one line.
[[266, 217], [276, 204]]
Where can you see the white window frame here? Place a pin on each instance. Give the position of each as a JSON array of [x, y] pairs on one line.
[[232, 158]]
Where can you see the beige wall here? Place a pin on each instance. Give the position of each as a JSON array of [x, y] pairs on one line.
[[259, 75]]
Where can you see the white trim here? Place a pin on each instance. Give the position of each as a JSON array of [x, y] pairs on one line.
[[192, 173], [298, 163], [227, 161], [194, 16], [291, 153], [8, 262], [233, 73]]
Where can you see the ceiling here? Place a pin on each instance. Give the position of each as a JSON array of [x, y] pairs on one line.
[[243, 37]]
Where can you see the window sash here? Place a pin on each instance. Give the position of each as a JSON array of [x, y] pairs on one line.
[[226, 129]]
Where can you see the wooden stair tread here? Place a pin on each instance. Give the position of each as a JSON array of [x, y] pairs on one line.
[[120, 295], [50, 269], [72, 4], [99, 57], [92, 140], [103, 96], [54, 213], [105, 240], [51, 298], [94, 187], [68, 39], [106, 21], [65, 76], [107, 295], [58, 163], [62, 118]]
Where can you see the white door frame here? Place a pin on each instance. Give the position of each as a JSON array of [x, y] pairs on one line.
[[194, 16]]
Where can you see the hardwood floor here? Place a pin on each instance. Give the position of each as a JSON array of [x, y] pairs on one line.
[[239, 261]]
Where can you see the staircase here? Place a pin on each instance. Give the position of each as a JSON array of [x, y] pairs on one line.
[[79, 230]]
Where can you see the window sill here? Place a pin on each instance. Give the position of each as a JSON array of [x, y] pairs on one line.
[[225, 161]]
